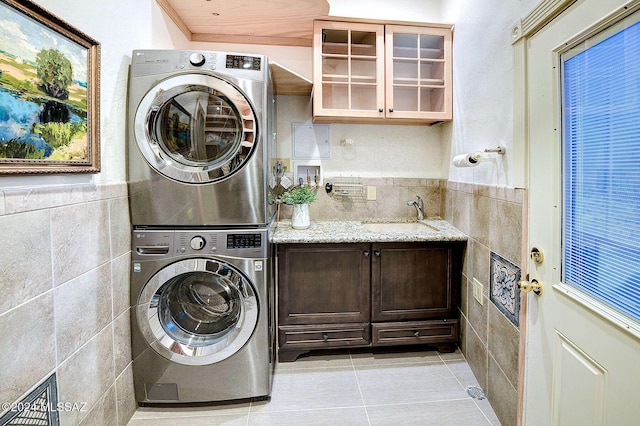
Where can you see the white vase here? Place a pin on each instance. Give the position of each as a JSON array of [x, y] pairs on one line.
[[300, 218]]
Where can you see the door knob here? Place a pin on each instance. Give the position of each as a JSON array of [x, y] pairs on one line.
[[528, 286]]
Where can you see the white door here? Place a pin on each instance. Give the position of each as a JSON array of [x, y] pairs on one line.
[[582, 362]]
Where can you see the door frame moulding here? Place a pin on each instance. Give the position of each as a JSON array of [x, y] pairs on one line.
[[525, 28]]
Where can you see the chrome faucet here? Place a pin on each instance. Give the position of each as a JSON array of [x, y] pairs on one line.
[[419, 205]]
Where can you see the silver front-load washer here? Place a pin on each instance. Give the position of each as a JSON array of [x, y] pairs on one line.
[[201, 315], [200, 135]]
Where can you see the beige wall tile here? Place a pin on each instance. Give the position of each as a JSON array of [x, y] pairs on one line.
[[25, 257], [102, 413], [476, 354], [506, 231], [503, 344], [122, 342], [83, 308], [79, 239], [120, 267], [480, 221], [125, 397], [86, 375], [503, 396], [477, 314], [27, 339], [119, 226]]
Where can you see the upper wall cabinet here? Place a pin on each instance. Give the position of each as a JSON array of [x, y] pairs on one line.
[[373, 73]]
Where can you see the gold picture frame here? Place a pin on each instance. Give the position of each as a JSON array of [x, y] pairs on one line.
[[49, 93]]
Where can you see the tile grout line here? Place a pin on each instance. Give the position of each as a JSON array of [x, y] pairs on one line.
[[475, 402], [353, 366]]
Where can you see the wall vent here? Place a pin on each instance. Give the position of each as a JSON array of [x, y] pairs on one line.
[[38, 408]]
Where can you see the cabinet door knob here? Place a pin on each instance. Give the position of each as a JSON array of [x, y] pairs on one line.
[[416, 333], [380, 110], [366, 253], [390, 109], [325, 337], [377, 253]]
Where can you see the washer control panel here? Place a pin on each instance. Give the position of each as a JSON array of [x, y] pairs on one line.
[[156, 243]]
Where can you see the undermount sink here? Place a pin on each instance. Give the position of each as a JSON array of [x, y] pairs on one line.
[[399, 227]]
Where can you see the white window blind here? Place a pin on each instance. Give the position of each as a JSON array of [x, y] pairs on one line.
[[601, 181]]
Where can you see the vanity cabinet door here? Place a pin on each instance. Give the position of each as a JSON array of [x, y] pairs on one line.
[[415, 281], [323, 284]]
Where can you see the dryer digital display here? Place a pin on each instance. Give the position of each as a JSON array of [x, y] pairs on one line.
[[240, 62]]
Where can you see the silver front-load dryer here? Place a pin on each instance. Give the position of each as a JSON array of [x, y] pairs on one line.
[[200, 315], [200, 135]]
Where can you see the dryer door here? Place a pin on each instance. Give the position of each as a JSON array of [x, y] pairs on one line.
[[198, 311], [195, 128]]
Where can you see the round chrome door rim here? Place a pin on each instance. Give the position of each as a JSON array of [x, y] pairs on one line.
[[220, 348], [191, 172]]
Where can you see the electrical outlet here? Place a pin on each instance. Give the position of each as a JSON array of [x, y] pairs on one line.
[[371, 193], [477, 291]]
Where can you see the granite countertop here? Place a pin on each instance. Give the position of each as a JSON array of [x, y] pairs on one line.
[[358, 232]]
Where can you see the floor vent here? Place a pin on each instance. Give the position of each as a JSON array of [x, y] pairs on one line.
[[476, 392], [38, 408]]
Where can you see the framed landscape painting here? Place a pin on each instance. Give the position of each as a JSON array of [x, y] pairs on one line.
[[49, 93]]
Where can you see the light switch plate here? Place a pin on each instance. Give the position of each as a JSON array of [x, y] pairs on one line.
[[371, 193], [477, 291]]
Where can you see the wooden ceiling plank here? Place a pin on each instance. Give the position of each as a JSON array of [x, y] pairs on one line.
[[169, 10], [249, 39]]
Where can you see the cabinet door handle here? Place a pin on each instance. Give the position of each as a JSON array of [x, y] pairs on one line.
[[390, 109], [325, 337], [377, 253], [366, 253], [380, 110], [416, 333]]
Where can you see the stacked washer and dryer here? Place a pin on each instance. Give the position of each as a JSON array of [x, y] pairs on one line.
[[200, 138]]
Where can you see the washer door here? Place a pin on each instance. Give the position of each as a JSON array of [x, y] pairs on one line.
[[198, 311], [195, 128]]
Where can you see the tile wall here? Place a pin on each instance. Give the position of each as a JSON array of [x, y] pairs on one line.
[[64, 265], [493, 218], [392, 195]]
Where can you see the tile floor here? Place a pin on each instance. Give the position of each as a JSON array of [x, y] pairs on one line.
[[364, 387]]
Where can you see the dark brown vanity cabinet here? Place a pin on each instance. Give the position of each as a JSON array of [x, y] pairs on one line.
[[348, 295]]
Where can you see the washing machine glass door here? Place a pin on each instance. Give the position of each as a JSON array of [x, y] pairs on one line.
[[195, 128], [198, 311]]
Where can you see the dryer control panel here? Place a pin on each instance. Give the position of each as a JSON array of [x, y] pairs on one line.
[[159, 243]]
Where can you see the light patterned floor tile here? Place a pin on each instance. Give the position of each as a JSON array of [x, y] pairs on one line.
[[441, 413], [408, 383]]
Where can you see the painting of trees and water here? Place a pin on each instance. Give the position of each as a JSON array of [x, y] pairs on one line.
[[44, 96]]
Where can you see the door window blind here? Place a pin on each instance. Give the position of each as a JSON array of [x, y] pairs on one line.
[[601, 170]]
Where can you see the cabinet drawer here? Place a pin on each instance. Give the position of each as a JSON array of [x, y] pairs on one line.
[[323, 336], [415, 332]]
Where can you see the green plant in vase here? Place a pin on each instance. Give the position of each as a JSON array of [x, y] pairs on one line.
[[300, 197]]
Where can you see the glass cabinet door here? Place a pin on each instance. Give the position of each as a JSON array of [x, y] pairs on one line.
[[348, 63], [418, 72]]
